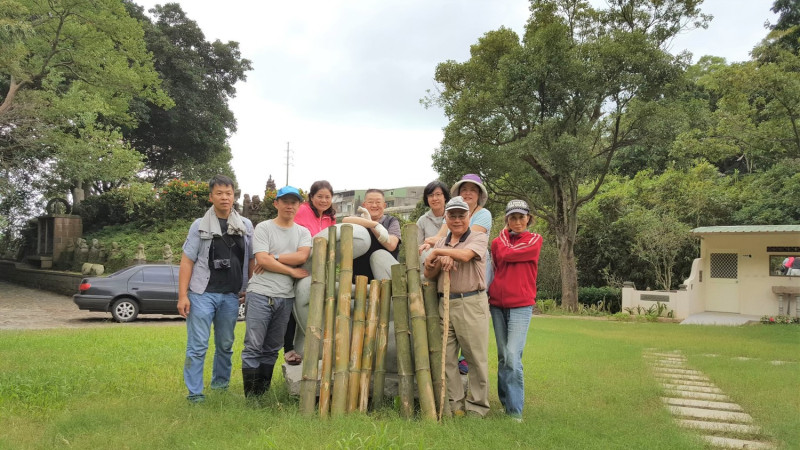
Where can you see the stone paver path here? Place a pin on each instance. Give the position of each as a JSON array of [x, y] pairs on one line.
[[699, 405]]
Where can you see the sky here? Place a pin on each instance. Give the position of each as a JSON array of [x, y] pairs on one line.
[[340, 81]]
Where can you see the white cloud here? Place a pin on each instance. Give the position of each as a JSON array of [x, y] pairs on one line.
[[341, 79]]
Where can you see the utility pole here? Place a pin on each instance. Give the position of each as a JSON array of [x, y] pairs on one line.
[[287, 164]]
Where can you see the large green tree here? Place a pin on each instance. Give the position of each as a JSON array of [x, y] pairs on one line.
[[68, 73], [542, 116], [188, 141]]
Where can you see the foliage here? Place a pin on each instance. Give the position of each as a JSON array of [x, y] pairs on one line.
[[605, 298], [181, 199], [190, 140], [153, 236], [540, 116], [68, 73], [779, 319], [118, 206], [547, 305]]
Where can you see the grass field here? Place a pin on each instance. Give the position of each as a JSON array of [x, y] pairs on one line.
[[587, 386]]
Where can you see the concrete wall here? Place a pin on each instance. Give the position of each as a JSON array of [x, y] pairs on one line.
[[751, 293], [65, 283]]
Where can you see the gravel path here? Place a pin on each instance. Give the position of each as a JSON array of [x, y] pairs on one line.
[[32, 309]]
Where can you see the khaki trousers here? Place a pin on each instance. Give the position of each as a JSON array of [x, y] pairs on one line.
[[469, 332]]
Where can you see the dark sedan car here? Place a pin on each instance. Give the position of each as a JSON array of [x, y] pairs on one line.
[[142, 289]]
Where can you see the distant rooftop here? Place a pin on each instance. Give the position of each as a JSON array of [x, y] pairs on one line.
[[748, 229]]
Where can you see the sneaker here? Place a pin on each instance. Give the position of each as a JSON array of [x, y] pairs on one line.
[[195, 399], [463, 368]]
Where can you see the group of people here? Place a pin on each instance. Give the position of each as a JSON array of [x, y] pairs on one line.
[[226, 261]]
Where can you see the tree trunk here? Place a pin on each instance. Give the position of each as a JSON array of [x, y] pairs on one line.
[[382, 343], [405, 370], [308, 383], [416, 309], [566, 230], [327, 336], [357, 342], [339, 402]]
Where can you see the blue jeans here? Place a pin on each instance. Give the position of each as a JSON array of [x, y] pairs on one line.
[[511, 331], [266, 321], [207, 308]]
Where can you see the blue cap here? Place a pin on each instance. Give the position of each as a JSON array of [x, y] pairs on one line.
[[289, 190]]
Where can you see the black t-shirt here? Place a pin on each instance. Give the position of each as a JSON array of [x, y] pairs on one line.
[[230, 248]]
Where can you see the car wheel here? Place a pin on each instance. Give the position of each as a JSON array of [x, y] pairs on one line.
[[125, 310], [241, 312]]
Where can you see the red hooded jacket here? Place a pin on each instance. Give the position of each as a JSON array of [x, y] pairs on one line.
[[516, 263]]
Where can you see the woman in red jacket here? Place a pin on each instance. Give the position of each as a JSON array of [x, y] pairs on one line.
[[512, 294]]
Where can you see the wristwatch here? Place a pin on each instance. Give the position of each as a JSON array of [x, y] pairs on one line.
[[277, 257]]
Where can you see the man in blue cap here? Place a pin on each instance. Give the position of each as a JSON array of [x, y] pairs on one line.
[[281, 247]]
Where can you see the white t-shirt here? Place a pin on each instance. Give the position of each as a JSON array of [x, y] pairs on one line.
[[275, 240]]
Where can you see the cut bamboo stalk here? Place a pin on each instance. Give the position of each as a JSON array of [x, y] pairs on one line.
[[445, 332], [368, 355], [342, 334], [405, 370], [357, 342], [308, 383], [327, 333], [434, 321], [381, 344], [419, 326]]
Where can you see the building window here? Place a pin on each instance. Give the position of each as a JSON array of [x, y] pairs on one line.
[[778, 263], [724, 265]]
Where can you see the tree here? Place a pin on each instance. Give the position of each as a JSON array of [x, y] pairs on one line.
[[68, 73], [541, 116], [188, 141]]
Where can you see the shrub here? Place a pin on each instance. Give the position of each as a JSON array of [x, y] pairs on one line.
[[546, 306], [780, 319], [610, 297], [120, 205], [180, 199]]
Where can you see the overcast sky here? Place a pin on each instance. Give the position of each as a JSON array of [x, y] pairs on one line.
[[341, 80]]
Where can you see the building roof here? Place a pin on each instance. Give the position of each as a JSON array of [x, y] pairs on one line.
[[738, 229]]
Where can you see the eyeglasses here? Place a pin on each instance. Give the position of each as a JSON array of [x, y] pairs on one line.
[[373, 203], [457, 216], [436, 195]]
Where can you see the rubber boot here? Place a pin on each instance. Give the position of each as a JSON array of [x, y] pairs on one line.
[[253, 382], [265, 375]]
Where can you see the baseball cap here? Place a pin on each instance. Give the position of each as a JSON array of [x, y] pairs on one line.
[[456, 203], [517, 206], [288, 190]]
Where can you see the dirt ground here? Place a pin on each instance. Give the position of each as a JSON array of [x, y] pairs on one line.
[[32, 309]]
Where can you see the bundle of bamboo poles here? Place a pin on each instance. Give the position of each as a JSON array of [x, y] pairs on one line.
[[354, 348]]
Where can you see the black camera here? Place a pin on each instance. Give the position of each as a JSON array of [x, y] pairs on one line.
[[222, 264]]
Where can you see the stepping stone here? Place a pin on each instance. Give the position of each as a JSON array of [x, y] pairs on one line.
[[669, 364], [778, 363], [710, 390], [683, 371], [686, 383], [710, 355], [702, 404], [678, 376], [742, 358], [720, 426], [667, 355], [699, 395], [735, 443], [712, 414]]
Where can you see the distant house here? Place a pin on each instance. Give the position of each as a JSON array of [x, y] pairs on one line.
[[738, 272], [399, 201]]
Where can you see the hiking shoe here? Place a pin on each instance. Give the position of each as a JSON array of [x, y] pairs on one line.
[[463, 368]]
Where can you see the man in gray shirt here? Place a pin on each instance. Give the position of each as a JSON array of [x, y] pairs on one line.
[[281, 247]]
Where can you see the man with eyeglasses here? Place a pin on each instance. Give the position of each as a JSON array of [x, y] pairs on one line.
[[461, 253], [384, 247]]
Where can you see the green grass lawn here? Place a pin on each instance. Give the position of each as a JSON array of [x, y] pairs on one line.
[[587, 386]]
